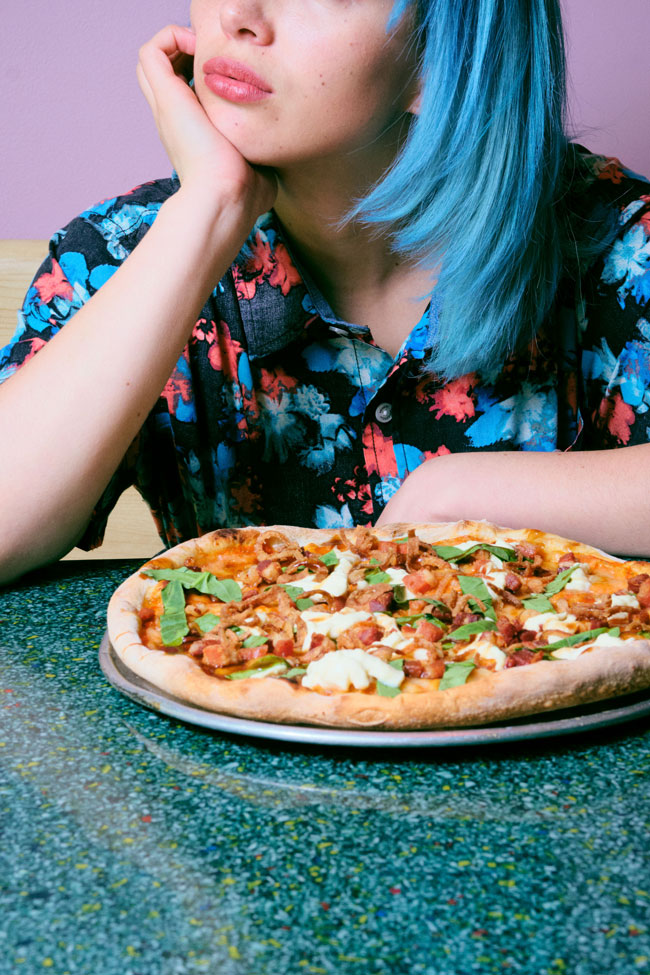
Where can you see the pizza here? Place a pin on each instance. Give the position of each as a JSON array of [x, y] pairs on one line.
[[401, 627]]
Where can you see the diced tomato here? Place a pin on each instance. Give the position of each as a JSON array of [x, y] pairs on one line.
[[417, 582]]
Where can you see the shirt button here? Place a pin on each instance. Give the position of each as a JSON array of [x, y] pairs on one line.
[[384, 413]]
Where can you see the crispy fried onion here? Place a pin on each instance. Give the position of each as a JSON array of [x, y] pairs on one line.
[[276, 545]]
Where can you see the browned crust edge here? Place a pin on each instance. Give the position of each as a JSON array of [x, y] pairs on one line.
[[488, 697]]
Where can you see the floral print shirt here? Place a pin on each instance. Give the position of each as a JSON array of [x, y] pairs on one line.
[[279, 413]]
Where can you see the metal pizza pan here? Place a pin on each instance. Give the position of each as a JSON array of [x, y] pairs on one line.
[[587, 718]]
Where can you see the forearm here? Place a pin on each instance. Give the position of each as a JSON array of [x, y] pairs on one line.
[[599, 497], [68, 416]]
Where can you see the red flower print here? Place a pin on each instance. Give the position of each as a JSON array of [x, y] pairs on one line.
[[246, 500], [276, 383], [440, 452], [204, 331], [54, 285], [619, 417], [454, 400], [379, 452], [259, 264], [284, 275], [245, 289], [610, 169]]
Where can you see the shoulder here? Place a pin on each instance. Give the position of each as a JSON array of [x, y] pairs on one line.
[[110, 230], [602, 199]]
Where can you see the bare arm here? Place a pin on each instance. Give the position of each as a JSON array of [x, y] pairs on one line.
[[601, 497], [120, 348]]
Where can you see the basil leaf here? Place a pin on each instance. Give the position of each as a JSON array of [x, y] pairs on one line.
[[400, 541], [293, 591], [399, 595], [456, 674], [474, 586], [576, 638], [374, 578], [304, 603], [397, 664], [255, 640], [467, 630], [207, 622], [409, 620], [540, 603], [255, 671], [227, 590], [295, 672], [173, 622], [452, 554], [560, 581], [385, 690], [330, 558]]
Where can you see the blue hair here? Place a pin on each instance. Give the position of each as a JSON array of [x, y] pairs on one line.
[[475, 191]]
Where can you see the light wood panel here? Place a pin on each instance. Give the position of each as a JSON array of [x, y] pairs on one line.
[[130, 532]]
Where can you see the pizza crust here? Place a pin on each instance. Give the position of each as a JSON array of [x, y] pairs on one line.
[[487, 697]]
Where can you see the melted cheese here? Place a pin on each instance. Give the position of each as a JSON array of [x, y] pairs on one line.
[[625, 600], [485, 650], [551, 621], [336, 583], [331, 624], [570, 653], [341, 669], [579, 581]]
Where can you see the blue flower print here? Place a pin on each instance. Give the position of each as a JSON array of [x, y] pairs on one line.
[[327, 516], [334, 434], [282, 431], [529, 418], [629, 261], [124, 222], [386, 488]]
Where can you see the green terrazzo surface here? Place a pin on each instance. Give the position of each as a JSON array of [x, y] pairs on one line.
[[136, 845]]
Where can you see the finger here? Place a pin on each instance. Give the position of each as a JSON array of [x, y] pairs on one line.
[[145, 87]]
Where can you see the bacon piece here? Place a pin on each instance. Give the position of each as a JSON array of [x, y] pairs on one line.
[[426, 630], [520, 658], [215, 653], [643, 594], [566, 560], [432, 668], [462, 618], [507, 630], [513, 582], [269, 570], [283, 646], [528, 636], [381, 594], [251, 653], [361, 634], [635, 583], [414, 668], [146, 614]]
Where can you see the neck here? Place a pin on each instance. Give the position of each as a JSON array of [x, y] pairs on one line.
[[314, 198]]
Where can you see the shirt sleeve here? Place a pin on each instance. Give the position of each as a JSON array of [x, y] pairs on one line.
[[77, 264], [616, 336]]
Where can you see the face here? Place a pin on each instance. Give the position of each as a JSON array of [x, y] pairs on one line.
[[288, 81]]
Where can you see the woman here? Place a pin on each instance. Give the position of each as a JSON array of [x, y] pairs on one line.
[[379, 286]]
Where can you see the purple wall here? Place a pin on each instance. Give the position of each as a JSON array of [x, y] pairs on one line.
[[76, 128]]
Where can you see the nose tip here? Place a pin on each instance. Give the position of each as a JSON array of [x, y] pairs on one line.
[[246, 20]]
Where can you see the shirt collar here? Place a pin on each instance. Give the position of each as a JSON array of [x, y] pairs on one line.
[[278, 299]]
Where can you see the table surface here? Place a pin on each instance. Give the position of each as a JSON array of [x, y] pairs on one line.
[[136, 845]]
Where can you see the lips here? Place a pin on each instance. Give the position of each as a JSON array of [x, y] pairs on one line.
[[224, 75]]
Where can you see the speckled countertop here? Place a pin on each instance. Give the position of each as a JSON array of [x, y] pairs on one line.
[[133, 844]]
